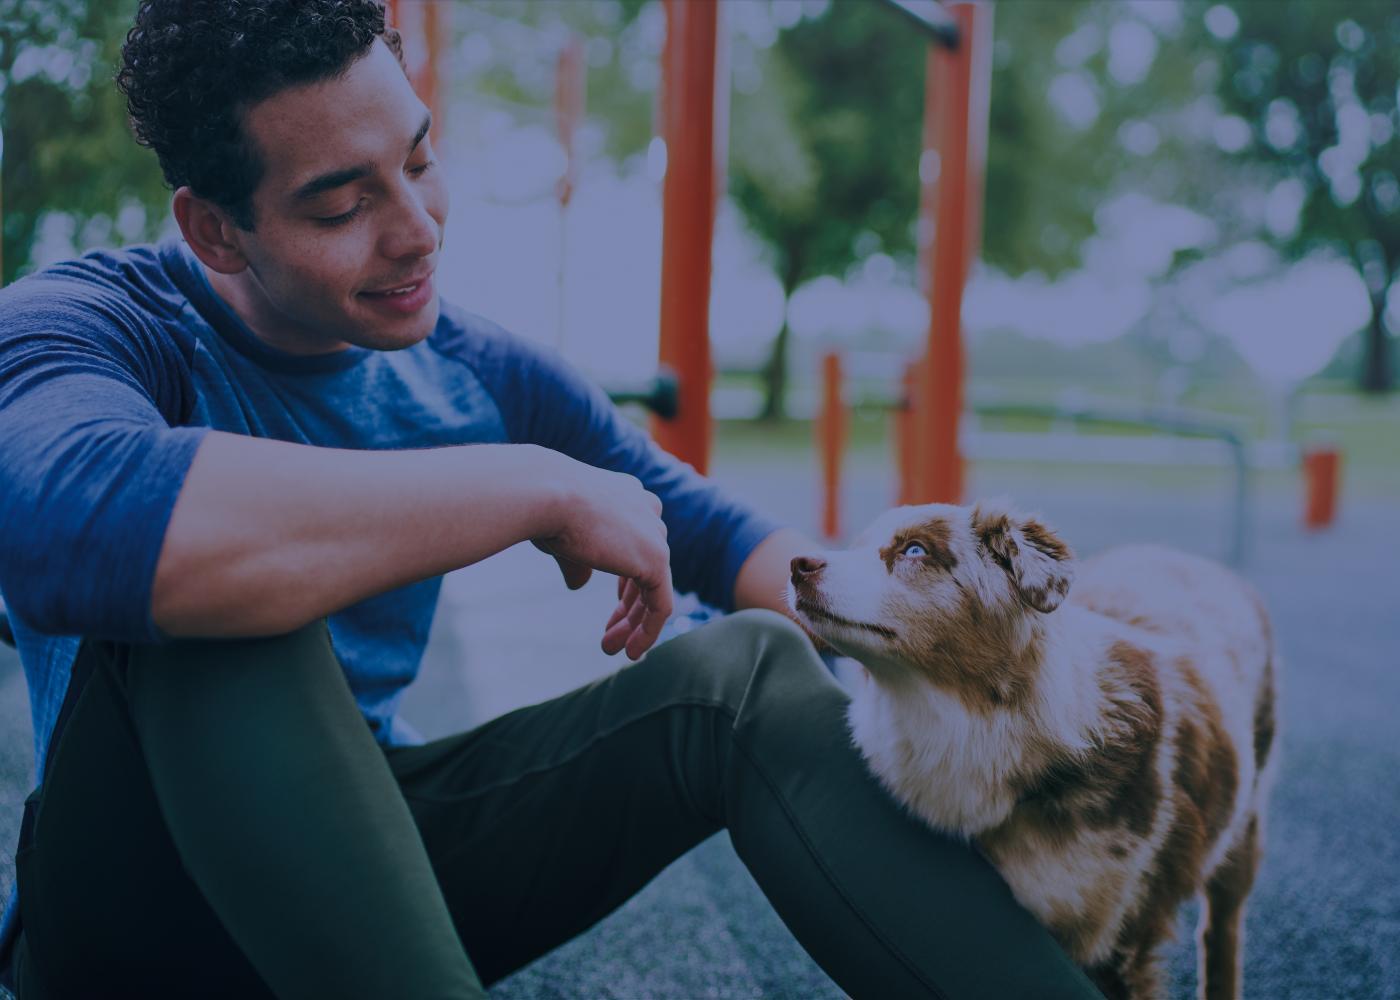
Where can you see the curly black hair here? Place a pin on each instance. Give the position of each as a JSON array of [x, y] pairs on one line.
[[191, 68]]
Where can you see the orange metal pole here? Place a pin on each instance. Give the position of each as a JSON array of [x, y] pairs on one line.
[[946, 212], [904, 432], [687, 232], [423, 28], [428, 84], [1321, 477], [570, 81], [831, 443]]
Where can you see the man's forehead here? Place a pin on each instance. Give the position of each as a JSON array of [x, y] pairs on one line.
[[340, 122]]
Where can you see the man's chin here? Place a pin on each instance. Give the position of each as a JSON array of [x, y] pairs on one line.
[[395, 336]]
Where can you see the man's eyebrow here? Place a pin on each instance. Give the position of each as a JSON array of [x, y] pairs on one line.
[[334, 179], [337, 178], [422, 131]]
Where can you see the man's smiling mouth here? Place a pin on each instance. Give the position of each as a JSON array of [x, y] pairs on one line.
[[811, 609]]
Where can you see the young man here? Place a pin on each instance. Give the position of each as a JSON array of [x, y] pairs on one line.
[[234, 468]]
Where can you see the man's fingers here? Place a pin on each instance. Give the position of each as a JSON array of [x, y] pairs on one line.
[[644, 635], [637, 620], [655, 604], [626, 597]]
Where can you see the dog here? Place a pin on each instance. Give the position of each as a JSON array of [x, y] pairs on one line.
[[1108, 749]]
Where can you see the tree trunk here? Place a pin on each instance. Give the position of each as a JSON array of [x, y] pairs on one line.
[[1376, 375], [775, 374], [775, 368]]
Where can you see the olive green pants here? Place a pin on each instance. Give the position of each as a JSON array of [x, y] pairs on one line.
[[217, 821]]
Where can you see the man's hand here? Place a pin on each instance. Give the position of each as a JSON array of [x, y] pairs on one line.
[[608, 521]]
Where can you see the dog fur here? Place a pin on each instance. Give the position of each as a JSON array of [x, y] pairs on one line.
[[1108, 748]]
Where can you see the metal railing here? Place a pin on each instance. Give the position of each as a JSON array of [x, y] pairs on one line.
[[1182, 424]]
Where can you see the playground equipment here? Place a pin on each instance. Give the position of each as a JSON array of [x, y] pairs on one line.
[[692, 106], [1320, 464], [689, 193], [1322, 468], [957, 90]]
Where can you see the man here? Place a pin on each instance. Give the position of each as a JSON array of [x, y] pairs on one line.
[[235, 467]]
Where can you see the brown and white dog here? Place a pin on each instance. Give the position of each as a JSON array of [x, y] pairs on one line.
[[1108, 751]]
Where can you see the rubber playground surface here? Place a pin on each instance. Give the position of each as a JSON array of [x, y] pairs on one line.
[[1324, 920]]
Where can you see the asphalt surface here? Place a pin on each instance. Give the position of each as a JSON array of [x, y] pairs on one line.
[[1324, 920]]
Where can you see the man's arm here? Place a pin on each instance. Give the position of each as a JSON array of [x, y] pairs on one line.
[[763, 579], [266, 536]]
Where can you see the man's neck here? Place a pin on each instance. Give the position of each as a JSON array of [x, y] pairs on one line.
[[240, 292]]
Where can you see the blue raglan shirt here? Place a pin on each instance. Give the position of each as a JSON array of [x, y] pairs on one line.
[[114, 367]]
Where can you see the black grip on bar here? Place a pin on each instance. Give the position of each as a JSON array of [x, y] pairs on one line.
[[661, 395]]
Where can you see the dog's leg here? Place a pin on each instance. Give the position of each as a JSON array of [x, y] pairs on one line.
[[1220, 942]]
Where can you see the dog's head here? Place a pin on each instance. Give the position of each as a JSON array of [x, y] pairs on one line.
[[952, 592]]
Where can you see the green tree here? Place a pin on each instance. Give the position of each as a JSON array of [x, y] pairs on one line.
[[1317, 85], [67, 145], [824, 156]]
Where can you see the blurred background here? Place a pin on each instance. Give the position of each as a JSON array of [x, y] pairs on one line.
[[1191, 209]]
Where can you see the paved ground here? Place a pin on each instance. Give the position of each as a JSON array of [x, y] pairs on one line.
[[1325, 919]]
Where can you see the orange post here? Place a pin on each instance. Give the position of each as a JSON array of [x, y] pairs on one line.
[[423, 32], [831, 443], [1322, 469], [949, 183], [569, 83], [687, 231], [904, 445], [428, 84]]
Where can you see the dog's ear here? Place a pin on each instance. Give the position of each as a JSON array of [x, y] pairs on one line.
[[1040, 565]]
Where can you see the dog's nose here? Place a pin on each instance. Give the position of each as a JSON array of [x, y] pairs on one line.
[[805, 566]]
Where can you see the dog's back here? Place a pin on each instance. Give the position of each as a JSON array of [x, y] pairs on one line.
[[1197, 637]]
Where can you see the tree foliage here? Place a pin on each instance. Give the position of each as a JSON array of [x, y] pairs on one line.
[[67, 145], [1317, 85]]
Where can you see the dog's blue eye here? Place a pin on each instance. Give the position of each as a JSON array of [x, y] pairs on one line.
[[915, 550]]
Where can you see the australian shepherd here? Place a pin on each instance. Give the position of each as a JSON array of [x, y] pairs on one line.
[[1107, 747]]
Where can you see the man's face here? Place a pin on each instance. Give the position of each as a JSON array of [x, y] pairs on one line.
[[349, 213]]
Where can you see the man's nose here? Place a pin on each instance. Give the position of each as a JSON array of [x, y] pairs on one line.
[[805, 567], [415, 233]]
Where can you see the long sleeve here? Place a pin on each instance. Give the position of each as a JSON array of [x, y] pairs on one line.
[[90, 465]]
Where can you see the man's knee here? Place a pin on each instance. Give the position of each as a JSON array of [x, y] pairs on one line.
[[197, 678], [720, 661], [769, 664]]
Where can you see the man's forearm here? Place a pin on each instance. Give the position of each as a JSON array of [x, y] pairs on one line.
[[763, 579], [267, 536]]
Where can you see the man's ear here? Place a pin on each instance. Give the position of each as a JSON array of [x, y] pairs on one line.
[[1040, 565], [209, 232]]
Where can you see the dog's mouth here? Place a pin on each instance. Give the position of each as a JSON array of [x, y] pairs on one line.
[[808, 608]]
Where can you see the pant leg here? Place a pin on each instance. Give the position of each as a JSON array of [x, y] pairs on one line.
[[216, 820], [541, 822]]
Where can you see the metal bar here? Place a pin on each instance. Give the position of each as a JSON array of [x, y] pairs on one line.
[[687, 230], [831, 442], [945, 215], [1186, 425], [933, 18], [659, 395]]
